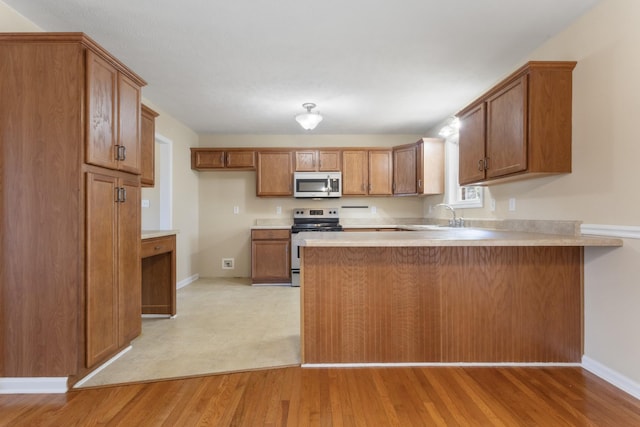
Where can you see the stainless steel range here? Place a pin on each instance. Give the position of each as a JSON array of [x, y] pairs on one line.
[[309, 219]]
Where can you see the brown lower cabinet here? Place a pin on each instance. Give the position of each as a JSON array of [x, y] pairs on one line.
[[271, 256], [159, 275], [113, 270]]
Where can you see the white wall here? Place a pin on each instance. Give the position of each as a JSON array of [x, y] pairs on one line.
[[603, 187], [185, 207], [12, 21], [224, 234]]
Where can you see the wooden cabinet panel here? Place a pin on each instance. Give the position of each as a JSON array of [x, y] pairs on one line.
[[275, 173], [380, 172], [159, 275], [207, 159], [306, 161], [355, 173], [405, 169], [41, 192], [446, 304], [519, 129], [129, 269], [113, 117], [270, 256], [61, 121], [506, 125], [147, 146], [367, 172], [317, 161], [102, 281], [212, 158], [102, 96], [129, 124], [471, 145], [113, 267], [241, 159]]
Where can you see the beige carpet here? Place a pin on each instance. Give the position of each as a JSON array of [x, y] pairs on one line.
[[222, 325]]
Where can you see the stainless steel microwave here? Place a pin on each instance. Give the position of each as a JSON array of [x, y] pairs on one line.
[[317, 185]]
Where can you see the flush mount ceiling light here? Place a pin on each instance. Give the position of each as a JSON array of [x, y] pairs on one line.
[[309, 120]]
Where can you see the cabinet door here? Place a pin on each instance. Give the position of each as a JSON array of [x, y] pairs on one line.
[[355, 171], [241, 159], [207, 159], [380, 172], [147, 146], [471, 145], [328, 161], [102, 97], [506, 130], [405, 165], [129, 266], [101, 280], [306, 161], [275, 176], [128, 124], [270, 261]]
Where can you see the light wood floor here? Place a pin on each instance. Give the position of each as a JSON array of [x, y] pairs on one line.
[[341, 397]]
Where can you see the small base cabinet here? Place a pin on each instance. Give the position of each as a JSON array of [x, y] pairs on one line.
[[271, 256], [159, 275]]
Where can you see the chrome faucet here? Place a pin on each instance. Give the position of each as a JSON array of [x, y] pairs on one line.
[[455, 221]]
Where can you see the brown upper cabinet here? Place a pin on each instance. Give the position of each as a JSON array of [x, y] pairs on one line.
[[418, 168], [113, 122], [275, 173], [367, 172], [405, 169], [216, 158], [520, 128], [148, 146], [317, 160]]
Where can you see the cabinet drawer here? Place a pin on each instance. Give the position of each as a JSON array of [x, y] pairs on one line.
[[270, 234], [157, 245]]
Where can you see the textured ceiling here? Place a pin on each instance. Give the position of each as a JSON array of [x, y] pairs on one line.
[[371, 66]]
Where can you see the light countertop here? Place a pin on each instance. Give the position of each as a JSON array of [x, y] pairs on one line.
[[150, 234], [449, 237]]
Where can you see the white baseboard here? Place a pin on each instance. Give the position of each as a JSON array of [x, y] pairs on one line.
[[33, 385], [187, 281], [437, 365], [611, 376], [619, 231]]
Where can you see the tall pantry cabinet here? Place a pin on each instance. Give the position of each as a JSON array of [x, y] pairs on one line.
[[69, 204]]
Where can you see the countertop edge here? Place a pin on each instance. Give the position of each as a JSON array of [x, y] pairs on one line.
[[461, 237], [150, 234]]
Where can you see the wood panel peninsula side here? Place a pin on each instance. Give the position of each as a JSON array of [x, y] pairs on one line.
[[442, 296]]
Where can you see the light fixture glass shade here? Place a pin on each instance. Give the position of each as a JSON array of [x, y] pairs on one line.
[[309, 120]]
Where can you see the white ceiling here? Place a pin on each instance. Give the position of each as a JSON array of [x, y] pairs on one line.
[[371, 66]]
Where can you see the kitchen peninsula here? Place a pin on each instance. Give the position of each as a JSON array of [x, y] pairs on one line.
[[443, 296]]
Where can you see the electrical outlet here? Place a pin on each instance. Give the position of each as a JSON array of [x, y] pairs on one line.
[[512, 204], [493, 205], [373, 209], [145, 203], [279, 210], [236, 210], [227, 264]]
